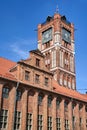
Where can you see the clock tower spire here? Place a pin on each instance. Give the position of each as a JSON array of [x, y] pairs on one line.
[[56, 42]]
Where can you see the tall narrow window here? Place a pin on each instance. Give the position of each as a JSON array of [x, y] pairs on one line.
[[40, 122], [29, 121], [40, 98], [66, 124], [49, 123], [58, 103], [18, 96], [17, 121], [27, 75], [37, 62], [54, 58], [5, 92], [66, 105], [3, 119], [58, 123], [49, 101], [37, 78], [73, 121]]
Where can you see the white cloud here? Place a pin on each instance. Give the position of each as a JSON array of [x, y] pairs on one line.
[[22, 53], [21, 47]]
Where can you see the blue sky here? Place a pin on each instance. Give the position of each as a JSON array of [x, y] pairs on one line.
[[19, 20]]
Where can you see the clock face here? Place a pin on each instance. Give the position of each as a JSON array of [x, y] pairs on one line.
[[66, 35], [47, 35]]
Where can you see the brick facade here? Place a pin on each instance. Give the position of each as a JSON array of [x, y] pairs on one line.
[[30, 96]]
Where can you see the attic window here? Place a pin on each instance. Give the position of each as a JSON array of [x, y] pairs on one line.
[[37, 62]]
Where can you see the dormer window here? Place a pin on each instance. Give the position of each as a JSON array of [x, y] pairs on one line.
[[37, 62]]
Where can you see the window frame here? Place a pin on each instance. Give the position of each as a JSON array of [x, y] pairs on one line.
[[40, 122], [49, 122], [4, 119], [58, 123], [37, 62], [29, 121], [17, 124]]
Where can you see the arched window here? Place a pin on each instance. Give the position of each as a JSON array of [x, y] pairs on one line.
[[80, 106], [73, 105], [66, 105], [40, 99], [49, 101], [58, 101], [5, 92]]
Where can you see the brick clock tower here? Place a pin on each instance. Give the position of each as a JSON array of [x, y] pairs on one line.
[[56, 42]]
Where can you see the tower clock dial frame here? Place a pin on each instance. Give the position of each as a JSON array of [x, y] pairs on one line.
[[66, 35], [47, 35]]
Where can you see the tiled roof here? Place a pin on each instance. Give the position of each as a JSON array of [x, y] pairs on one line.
[[5, 65], [68, 92]]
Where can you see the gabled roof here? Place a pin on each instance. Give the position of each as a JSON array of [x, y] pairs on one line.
[[68, 92], [5, 66]]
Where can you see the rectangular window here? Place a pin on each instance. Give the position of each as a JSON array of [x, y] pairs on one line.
[[4, 119], [18, 96], [49, 123], [17, 120], [46, 81], [66, 124], [40, 122], [37, 62], [29, 121], [37, 78], [27, 75], [58, 123], [5, 92]]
